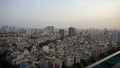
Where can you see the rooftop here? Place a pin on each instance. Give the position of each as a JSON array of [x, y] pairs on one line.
[[112, 61]]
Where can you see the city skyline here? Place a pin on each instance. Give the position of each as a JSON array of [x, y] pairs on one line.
[[61, 14]]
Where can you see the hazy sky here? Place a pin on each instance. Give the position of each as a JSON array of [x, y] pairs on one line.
[[61, 13]]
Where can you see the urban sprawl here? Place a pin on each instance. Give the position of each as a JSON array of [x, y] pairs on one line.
[[55, 48]]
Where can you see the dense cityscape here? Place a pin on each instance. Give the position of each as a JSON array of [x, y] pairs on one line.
[[59, 33], [51, 47]]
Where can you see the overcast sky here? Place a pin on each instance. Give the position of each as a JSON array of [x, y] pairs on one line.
[[60, 13]]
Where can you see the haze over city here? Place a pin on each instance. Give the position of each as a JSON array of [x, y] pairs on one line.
[[60, 13], [59, 33]]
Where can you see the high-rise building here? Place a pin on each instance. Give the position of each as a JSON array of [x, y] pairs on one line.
[[118, 37], [12, 28], [61, 32], [28, 32], [72, 31], [50, 29], [5, 29]]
